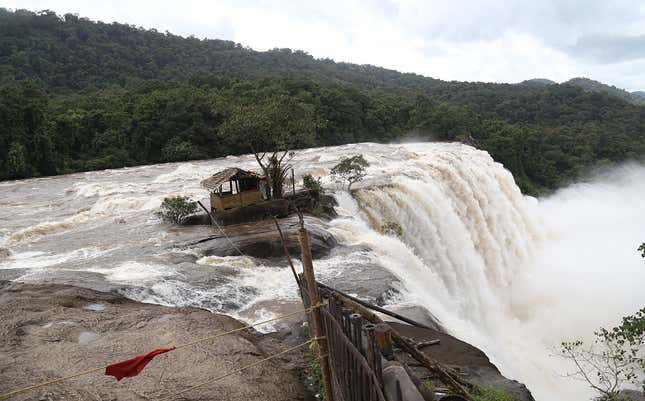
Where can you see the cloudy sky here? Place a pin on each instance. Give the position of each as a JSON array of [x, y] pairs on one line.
[[466, 40]]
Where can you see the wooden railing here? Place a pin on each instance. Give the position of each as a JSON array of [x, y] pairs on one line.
[[352, 341], [353, 355]]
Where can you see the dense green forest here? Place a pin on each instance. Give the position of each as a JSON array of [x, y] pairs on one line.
[[80, 95]]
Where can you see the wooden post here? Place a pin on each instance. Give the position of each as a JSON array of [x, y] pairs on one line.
[[239, 194], [372, 355], [375, 307], [450, 378], [383, 335], [347, 326], [357, 328], [312, 288], [293, 183]]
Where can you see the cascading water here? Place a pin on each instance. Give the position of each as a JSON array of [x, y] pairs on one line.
[[510, 274], [473, 245]]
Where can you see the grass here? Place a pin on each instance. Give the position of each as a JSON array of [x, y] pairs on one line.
[[312, 354], [492, 394]]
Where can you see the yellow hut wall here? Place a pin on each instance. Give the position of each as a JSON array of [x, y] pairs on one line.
[[224, 202]]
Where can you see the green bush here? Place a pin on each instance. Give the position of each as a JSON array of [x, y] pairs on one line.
[[312, 184], [392, 228], [173, 209]]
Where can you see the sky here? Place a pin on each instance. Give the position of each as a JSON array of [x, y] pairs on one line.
[[464, 40]]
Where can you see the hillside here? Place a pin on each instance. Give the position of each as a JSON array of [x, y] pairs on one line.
[[70, 54], [80, 95], [594, 86], [538, 82]]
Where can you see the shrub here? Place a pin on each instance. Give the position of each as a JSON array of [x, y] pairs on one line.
[[492, 394], [312, 184], [392, 228], [175, 208]]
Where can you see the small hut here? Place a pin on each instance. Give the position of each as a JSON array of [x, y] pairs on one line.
[[233, 187]]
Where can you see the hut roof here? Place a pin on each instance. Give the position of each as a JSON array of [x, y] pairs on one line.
[[217, 179]]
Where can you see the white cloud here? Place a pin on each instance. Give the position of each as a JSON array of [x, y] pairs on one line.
[[471, 40]]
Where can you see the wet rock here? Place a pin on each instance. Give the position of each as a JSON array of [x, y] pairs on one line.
[[197, 219], [396, 381], [468, 360], [95, 307], [262, 240], [87, 337], [366, 279], [41, 339], [12, 274], [4, 253], [312, 202], [418, 314]]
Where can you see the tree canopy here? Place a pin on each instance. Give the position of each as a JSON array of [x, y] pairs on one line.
[[81, 95]]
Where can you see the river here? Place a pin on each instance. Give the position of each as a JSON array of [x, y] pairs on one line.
[[511, 274]]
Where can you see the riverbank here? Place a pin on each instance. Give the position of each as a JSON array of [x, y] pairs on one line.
[[54, 330]]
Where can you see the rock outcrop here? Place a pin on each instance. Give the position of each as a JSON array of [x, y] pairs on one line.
[[52, 330], [466, 359], [261, 239]]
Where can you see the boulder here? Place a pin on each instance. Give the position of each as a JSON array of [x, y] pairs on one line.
[[261, 239], [468, 360], [53, 330]]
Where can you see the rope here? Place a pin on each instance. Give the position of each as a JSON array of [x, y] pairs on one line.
[[221, 230], [232, 372], [191, 343], [48, 382], [201, 340], [227, 238]]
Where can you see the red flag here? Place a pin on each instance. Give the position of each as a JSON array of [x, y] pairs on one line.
[[134, 366]]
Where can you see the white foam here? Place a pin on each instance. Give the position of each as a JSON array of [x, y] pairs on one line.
[[49, 227], [135, 273], [185, 171], [39, 260], [92, 189], [239, 262]]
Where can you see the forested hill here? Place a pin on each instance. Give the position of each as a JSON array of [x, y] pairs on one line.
[[77, 94], [69, 53]]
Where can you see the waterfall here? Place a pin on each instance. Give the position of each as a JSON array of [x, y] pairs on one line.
[[479, 255], [510, 274], [463, 215]]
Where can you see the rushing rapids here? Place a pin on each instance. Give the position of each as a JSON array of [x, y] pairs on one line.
[[508, 273]]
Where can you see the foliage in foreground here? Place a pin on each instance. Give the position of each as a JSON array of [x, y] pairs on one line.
[[615, 359], [175, 208]]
